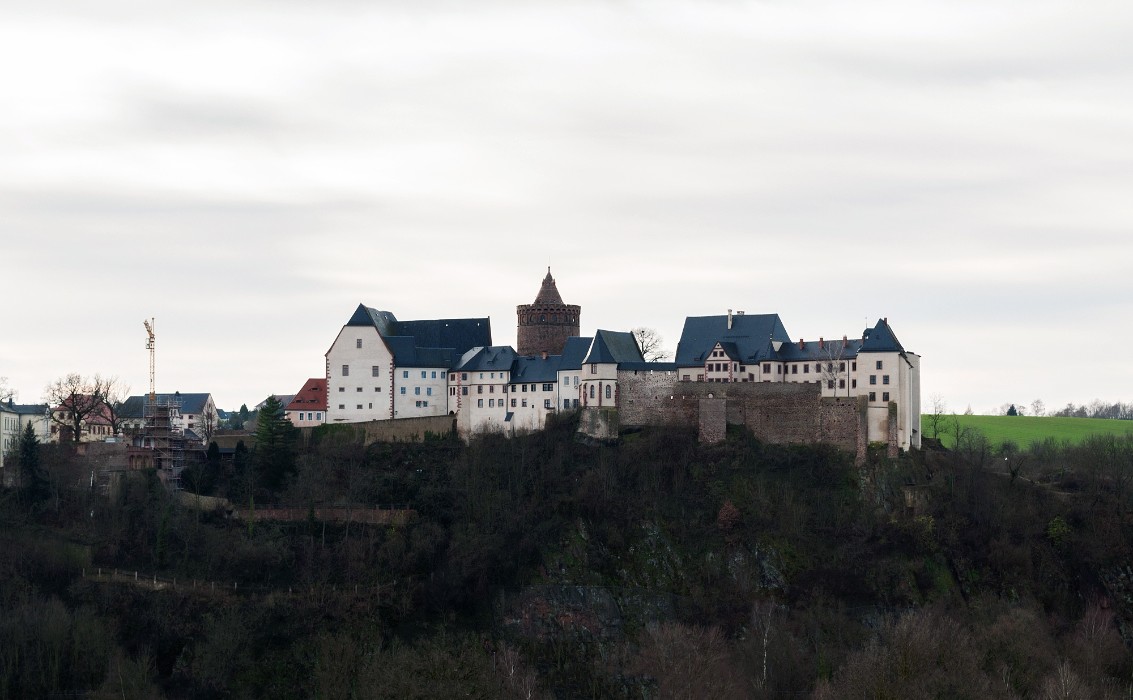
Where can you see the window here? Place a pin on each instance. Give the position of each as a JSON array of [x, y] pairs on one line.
[[444, 375], [417, 404], [548, 387], [885, 396], [403, 391], [378, 389], [830, 384], [841, 366], [358, 343], [491, 403], [546, 403], [464, 391], [371, 405], [491, 388], [873, 396], [566, 403], [405, 374], [434, 375], [767, 367], [594, 369], [424, 374], [375, 371], [854, 366], [342, 388], [885, 379], [513, 403], [464, 376], [359, 407], [524, 389], [879, 364], [854, 383], [607, 391], [479, 388], [346, 370], [358, 389], [428, 391], [319, 415], [341, 407], [806, 368], [873, 379], [574, 403], [576, 381], [479, 403], [841, 383], [524, 403], [566, 381], [591, 391], [416, 391], [794, 369]]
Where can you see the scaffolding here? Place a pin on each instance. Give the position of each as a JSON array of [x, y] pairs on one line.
[[162, 433]]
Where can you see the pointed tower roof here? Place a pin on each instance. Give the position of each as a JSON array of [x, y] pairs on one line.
[[548, 293]]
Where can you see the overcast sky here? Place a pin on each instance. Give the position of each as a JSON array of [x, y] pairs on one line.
[[248, 172]]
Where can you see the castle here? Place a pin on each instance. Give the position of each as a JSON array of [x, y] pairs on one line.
[[733, 368]]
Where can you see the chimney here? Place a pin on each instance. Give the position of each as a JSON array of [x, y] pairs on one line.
[[802, 345], [544, 354], [821, 343], [729, 319], [739, 313], [845, 342]]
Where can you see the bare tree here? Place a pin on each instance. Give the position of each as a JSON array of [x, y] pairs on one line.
[[832, 369], [650, 343], [7, 393], [207, 425], [114, 395], [74, 401], [936, 419], [1038, 408]]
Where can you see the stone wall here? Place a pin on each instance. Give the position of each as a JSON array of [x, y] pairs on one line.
[[782, 413], [398, 429]]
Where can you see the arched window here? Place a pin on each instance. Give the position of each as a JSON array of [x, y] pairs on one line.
[[607, 391], [542, 318]]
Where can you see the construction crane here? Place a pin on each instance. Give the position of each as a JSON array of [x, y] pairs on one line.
[[149, 346]]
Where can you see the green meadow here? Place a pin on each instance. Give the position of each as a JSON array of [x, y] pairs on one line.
[[1023, 430]]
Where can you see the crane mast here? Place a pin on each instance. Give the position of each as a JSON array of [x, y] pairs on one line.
[[150, 346]]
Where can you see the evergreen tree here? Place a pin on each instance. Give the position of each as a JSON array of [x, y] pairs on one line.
[[32, 480], [274, 454]]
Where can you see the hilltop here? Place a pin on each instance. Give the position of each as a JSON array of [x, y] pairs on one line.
[[539, 566]]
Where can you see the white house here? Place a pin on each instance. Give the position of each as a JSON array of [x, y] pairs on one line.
[[308, 408], [608, 351], [379, 368], [14, 419]]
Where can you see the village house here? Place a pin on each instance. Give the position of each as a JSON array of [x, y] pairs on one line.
[[308, 408]]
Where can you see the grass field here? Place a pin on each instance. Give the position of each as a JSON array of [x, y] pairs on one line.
[[1023, 430]]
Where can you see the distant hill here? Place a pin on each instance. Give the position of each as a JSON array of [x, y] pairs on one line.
[[1023, 430]]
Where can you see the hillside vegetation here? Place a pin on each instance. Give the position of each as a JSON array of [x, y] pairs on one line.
[[1024, 430], [539, 566]]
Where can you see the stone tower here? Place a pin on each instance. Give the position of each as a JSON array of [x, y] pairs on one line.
[[545, 325]]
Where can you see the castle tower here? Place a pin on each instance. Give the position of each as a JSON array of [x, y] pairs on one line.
[[545, 325]]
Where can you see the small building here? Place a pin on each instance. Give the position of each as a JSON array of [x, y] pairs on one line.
[[308, 408]]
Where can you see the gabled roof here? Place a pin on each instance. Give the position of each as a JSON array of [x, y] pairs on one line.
[[134, 406], [613, 347], [751, 335], [425, 343], [820, 350], [498, 358], [33, 409], [312, 397], [574, 352], [880, 338], [536, 369]]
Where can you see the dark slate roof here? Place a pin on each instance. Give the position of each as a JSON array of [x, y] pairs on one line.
[[30, 409], [648, 366], [425, 343], [820, 351], [613, 347], [574, 352], [750, 334], [880, 338], [134, 406], [536, 369], [497, 358]]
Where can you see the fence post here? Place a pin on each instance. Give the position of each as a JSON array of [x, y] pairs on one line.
[[135, 574]]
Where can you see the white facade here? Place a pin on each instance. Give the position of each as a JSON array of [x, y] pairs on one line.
[[360, 385], [420, 391]]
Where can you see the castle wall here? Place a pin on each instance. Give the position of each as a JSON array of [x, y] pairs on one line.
[[545, 328], [782, 413]]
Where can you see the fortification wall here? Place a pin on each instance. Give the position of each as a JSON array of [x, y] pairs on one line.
[[398, 429], [782, 413]]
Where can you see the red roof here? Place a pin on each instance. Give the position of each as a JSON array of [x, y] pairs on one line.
[[312, 397]]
